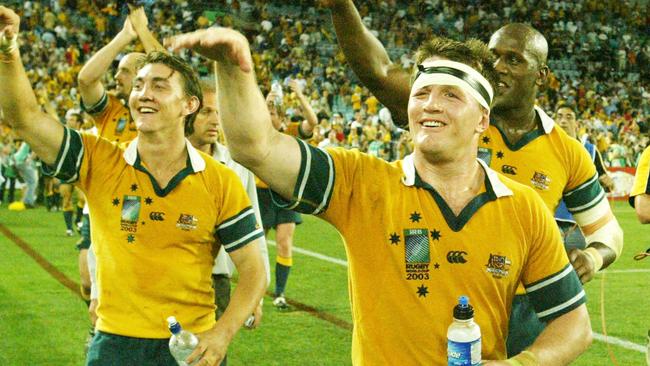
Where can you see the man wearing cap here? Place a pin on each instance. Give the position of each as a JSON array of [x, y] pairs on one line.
[[419, 232]]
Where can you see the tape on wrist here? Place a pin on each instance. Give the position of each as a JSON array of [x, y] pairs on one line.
[[525, 358], [595, 256]]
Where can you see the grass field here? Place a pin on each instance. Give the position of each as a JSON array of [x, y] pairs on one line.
[[45, 323]]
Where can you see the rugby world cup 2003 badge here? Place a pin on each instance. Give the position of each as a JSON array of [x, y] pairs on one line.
[[417, 254], [130, 213]]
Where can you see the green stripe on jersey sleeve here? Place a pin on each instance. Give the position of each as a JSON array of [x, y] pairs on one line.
[[315, 182], [69, 158], [239, 230], [585, 196], [556, 294]]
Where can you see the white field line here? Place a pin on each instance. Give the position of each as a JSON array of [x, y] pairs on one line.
[[614, 271], [597, 336]]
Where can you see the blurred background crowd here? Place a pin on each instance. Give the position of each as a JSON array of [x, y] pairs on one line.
[[598, 57]]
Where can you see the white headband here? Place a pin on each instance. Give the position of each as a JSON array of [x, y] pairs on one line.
[[445, 72]]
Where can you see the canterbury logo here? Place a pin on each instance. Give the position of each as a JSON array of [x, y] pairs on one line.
[[509, 169], [157, 216], [456, 257]]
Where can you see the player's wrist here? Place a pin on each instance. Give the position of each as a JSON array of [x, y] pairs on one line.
[[595, 256], [525, 358], [8, 47]]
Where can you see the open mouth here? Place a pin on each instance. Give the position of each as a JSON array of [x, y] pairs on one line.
[[146, 110], [432, 124]]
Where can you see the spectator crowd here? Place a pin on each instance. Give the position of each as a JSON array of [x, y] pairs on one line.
[[597, 53]]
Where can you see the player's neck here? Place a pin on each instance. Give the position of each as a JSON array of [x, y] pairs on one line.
[[458, 182], [162, 156], [516, 122]]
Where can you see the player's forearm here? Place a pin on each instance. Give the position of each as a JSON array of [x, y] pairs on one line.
[[149, 42], [245, 117], [101, 61], [310, 115], [600, 228], [250, 288], [362, 50], [18, 101], [22, 112], [564, 338], [370, 61]]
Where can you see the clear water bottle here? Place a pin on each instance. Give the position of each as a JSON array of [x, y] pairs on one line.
[[276, 87], [463, 336], [182, 343]]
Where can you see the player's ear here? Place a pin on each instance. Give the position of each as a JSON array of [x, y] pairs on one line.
[[484, 122], [191, 105]]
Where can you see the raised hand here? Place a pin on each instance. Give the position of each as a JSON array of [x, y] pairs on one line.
[[9, 23], [128, 29], [138, 17], [295, 86], [219, 44]]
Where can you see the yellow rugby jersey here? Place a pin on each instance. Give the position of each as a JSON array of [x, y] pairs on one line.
[[410, 257], [555, 165], [642, 177], [113, 119], [155, 246]]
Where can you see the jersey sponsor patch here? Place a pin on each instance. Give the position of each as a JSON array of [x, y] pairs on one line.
[[509, 169], [457, 257]]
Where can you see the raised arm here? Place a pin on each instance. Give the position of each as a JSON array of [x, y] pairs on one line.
[[369, 59], [90, 85], [140, 24], [246, 122], [21, 110], [311, 120]]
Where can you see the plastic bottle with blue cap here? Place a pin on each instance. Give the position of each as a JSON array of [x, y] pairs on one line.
[[463, 336]]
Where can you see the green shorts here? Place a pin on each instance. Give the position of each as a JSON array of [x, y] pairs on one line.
[[113, 350], [272, 215]]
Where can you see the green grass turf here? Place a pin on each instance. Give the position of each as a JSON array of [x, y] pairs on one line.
[[44, 323]]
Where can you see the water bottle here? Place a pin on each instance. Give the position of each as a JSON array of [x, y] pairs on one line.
[[463, 336], [182, 343], [277, 89]]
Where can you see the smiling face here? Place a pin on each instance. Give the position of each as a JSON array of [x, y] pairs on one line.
[[206, 124], [521, 54], [158, 100], [445, 121]]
